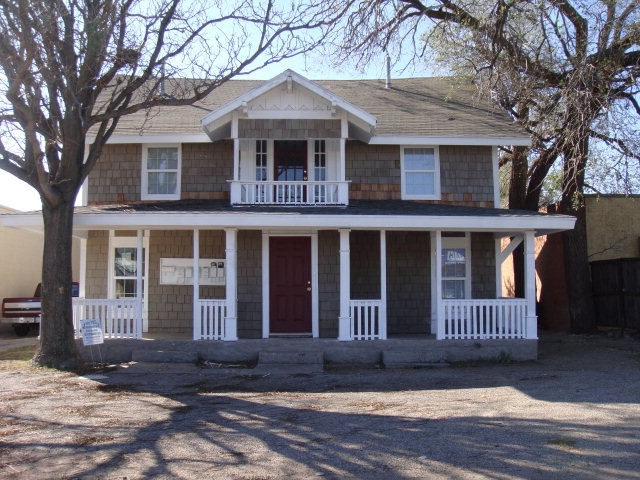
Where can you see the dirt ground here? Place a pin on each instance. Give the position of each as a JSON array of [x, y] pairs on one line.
[[574, 413]]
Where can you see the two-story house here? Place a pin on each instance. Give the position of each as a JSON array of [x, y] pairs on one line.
[[349, 210]]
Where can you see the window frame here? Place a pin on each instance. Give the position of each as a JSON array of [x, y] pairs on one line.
[[319, 159], [461, 243], [130, 242], [436, 195], [261, 154], [145, 195]]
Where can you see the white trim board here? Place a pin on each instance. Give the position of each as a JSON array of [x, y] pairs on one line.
[[292, 221], [375, 140], [459, 141]]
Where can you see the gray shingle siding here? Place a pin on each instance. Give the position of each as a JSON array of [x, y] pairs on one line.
[[466, 176], [329, 282], [249, 265], [206, 169], [466, 173], [288, 129], [408, 283], [483, 262]]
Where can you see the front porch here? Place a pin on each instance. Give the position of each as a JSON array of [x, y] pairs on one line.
[[376, 271], [471, 319]]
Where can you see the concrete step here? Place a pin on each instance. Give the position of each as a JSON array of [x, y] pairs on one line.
[[164, 356], [290, 358], [410, 358]]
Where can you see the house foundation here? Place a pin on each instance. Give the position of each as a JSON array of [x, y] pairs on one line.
[[390, 353]]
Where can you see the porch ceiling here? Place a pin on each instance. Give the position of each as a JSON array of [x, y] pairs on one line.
[[360, 214]]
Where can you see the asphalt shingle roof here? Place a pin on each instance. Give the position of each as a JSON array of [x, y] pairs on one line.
[[430, 107], [356, 207]]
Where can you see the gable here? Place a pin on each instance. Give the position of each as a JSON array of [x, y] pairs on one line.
[[294, 101], [288, 96]]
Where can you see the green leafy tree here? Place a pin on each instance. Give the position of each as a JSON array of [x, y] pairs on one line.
[[70, 67]]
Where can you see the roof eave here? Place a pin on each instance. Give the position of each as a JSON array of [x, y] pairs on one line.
[[541, 224], [446, 140]]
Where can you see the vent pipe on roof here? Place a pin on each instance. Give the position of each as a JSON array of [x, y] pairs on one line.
[[388, 84]]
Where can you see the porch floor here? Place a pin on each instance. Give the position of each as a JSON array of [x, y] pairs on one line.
[[396, 352]]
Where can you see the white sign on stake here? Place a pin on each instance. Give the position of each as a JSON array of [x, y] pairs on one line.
[[91, 332]]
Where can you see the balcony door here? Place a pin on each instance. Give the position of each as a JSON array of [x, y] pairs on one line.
[[290, 165], [290, 160]]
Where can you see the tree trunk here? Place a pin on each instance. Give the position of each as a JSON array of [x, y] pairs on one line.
[[576, 257], [581, 306], [517, 201], [57, 347]]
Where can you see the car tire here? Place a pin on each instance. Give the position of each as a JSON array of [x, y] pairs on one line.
[[22, 330]]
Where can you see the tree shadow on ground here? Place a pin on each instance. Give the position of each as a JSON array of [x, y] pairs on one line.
[[172, 421], [250, 425]]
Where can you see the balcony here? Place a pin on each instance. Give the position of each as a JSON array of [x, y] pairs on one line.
[[306, 193]]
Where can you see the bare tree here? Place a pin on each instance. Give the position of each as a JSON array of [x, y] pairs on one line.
[[557, 66], [74, 66]]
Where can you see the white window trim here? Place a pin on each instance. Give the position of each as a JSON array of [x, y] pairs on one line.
[[311, 159], [145, 174], [463, 243], [436, 187], [129, 242]]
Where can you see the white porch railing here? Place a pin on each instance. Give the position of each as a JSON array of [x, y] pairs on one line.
[[289, 193], [368, 320], [120, 318], [484, 319], [212, 315]]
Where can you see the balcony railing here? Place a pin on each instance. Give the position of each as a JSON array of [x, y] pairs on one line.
[[289, 193]]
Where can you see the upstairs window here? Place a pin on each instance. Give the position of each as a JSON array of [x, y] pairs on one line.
[[420, 173], [261, 160], [161, 172]]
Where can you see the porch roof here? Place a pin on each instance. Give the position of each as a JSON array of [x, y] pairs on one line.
[[360, 214]]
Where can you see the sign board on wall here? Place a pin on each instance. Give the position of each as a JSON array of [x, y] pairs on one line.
[[179, 271]]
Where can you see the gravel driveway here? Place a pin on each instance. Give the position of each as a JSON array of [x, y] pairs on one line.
[[575, 413]]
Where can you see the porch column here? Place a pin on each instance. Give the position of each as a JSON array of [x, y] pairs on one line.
[[139, 288], [82, 293], [344, 321], [231, 319], [235, 189], [344, 134], [499, 261], [236, 146], [530, 285], [197, 323], [383, 284], [436, 288]]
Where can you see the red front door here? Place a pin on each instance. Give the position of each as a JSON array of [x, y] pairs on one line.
[[290, 285]]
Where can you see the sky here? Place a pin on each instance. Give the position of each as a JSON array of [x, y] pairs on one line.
[[18, 195]]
